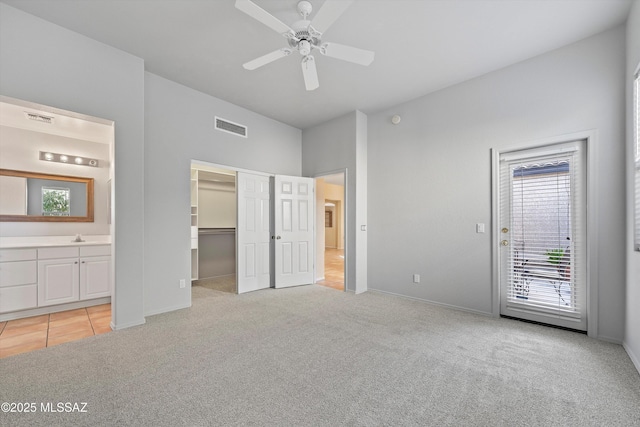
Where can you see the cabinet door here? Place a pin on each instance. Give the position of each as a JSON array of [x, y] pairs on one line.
[[58, 281], [95, 277]]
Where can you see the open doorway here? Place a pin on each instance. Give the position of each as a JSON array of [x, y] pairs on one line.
[[213, 228], [331, 230], [57, 170]]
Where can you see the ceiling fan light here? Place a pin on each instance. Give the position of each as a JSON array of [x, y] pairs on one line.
[[304, 47]]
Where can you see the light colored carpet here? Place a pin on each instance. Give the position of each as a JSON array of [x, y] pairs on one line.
[[311, 356]]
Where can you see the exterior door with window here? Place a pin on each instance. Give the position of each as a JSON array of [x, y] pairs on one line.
[[542, 235]]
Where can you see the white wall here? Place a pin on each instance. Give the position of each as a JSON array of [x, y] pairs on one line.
[[47, 64], [632, 331], [179, 128], [216, 204], [332, 146], [430, 176], [320, 232], [20, 148]]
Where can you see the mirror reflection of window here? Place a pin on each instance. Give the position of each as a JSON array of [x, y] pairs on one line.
[[56, 201]]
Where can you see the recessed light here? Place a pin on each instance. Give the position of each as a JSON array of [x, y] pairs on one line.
[[48, 156], [63, 158], [78, 160]]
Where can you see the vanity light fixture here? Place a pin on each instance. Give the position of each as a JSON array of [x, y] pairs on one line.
[[64, 158]]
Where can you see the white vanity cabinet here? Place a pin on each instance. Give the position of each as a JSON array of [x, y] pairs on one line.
[[58, 278], [40, 275], [68, 274], [18, 279], [95, 272]]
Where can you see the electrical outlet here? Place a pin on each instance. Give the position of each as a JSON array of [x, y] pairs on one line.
[[183, 283], [416, 278]]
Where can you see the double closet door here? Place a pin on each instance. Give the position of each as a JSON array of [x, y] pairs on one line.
[[275, 231]]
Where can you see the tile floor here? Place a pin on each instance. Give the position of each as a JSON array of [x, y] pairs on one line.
[[333, 269], [32, 333]]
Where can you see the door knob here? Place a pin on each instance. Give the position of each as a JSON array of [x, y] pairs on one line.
[[505, 230], [505, 243], [278, 237]]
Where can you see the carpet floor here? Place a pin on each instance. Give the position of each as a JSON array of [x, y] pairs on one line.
[[311, 356], [222, 284]]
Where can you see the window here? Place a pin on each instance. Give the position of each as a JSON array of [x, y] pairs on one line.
[[55, 201], [636, 115]]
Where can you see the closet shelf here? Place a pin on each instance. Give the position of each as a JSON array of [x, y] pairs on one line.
[[202, 231]]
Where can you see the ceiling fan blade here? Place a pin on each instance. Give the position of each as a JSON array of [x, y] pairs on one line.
[[347, 53], [310, 73], [266, 59], [259, 14], [328, 13]]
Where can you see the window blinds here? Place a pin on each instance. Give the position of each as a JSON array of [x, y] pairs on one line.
[[545, 238]]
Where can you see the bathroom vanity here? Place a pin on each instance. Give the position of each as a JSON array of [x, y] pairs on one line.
[[45, 274]]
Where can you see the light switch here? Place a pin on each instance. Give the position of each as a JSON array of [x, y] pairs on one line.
[[479, 227]]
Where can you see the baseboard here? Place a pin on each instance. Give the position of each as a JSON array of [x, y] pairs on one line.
[[167, 309], [608, 339], [53, 309], [453, 307], [634, 359], [126, 325]]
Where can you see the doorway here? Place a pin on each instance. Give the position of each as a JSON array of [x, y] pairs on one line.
[[213, 227], [331, 230], [542, 228]]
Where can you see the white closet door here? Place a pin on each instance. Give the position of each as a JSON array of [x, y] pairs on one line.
[[294, 231], [252, 232]]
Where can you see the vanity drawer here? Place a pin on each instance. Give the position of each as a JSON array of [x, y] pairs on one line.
[[101, 250], [16, 298], [17, 254], [18, 273], [61, 252]]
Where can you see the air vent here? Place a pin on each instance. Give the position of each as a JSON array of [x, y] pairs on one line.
[[230, 127], [39, 117]]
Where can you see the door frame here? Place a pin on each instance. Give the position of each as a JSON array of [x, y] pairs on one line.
[[347, 231], [591, 147]]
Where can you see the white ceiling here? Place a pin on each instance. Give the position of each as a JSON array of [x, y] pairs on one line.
[[13, 113], [421, 45]]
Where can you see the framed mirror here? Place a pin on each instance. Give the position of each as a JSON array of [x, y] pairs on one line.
[[38, 197]]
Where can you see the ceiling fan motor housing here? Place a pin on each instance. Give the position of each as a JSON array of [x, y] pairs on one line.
[[303, 40]]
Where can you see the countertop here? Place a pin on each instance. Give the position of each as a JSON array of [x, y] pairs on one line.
[[52, 241]]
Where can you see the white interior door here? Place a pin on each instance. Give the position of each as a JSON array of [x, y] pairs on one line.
[[252, 232], [543, 235], [294, 230]]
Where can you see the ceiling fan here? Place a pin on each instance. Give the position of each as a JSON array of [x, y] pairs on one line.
[[305, 36]]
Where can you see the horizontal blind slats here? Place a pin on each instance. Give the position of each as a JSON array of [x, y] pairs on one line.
[[543, 242]]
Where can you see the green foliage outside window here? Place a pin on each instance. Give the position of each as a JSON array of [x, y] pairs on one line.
[[55, 202]]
